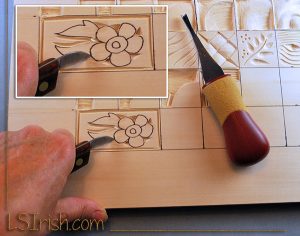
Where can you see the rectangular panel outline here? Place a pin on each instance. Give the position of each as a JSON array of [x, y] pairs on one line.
[[97, 17], [158, 117]]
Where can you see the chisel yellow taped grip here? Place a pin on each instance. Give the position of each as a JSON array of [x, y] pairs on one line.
[[246, 143], [224, 97]]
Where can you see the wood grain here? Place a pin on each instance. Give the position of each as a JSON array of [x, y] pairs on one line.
[[292, 128], [215, 15], [185, 178], [111, 84], [182, 51], [289, 48], [178, 177], [59, 30], [254, 14], [181, 128], [176, 9]]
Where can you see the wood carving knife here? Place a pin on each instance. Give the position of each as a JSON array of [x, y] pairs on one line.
[[246, 143], [84, 148], [48, 70]]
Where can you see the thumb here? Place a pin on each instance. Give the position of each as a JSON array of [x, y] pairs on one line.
[[79, 208], [27, 71]]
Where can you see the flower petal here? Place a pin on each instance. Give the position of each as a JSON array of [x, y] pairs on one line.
[[105, 33], [127, 30], [120, 136], [136, 141], [135, 44], [99, 52], [147, 130], [120, 59], [125, 122], [141, 120]]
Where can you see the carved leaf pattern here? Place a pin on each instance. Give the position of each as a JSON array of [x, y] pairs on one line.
[[257, 49], [86, 30]]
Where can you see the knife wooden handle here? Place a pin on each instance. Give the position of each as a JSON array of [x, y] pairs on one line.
[[82, 155], [246, 143], [48, 72]]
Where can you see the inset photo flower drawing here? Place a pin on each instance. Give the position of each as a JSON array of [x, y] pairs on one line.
[[115, 44], [130, 130]]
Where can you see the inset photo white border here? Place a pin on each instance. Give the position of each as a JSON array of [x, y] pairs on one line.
[[93, 71]]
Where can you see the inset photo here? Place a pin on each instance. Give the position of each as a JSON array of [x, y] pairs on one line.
[[91, 51]]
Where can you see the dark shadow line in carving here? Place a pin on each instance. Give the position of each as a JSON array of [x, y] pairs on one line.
[[56, 47]]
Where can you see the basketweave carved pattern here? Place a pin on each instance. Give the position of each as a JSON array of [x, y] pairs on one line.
[[231, 47]]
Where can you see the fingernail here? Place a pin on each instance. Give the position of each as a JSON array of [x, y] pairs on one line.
[[100, 215]]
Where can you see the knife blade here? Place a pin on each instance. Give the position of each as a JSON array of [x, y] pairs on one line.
[[210, 68], [48, 70], [246, 143], [84, 148]]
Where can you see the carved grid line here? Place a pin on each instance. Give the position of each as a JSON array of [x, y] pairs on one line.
[[235, 30]]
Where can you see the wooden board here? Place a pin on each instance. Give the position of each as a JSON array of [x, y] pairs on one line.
[[184, 161], [123, 44]]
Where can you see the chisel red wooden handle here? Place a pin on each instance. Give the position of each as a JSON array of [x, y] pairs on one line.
[[246, 143], [82, 155], [48, 73]]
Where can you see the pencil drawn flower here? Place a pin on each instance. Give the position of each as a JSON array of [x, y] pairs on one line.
[[116, 44], [131, 130], [134, 131]]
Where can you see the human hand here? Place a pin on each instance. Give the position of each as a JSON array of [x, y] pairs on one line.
[[38, 165], [27, 71]]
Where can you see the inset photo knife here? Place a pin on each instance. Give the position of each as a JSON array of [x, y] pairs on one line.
[[246, 143], [84, 148], [48, 70]]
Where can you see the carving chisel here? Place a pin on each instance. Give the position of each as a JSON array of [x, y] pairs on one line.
[[246, 143], [48, 70], [84, 148]]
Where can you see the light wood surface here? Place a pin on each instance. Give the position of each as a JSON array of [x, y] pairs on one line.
[[186, 164], [98, 123], [186, 178], [137, 66]]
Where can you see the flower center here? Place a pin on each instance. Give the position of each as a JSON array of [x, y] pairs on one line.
[[116, 44], [133, 131]]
